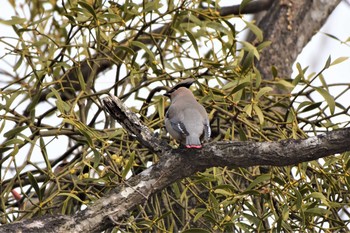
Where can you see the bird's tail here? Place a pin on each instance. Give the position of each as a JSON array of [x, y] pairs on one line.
[[193, 142]]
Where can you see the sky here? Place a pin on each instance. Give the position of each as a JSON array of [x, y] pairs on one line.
[[321, 46]]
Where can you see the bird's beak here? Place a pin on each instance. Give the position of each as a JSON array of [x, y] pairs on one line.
[[167, 94]]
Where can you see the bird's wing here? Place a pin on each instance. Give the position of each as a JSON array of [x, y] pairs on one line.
[[207, 130], [176, 120]]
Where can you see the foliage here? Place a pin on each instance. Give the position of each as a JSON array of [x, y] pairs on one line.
[[51, 102]]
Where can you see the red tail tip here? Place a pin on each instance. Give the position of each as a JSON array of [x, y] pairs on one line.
[[16, 195], [194, 146]]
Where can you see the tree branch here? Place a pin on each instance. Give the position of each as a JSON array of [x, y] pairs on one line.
[[133, 125], [290, 24], [178, 164], [104, 60], [250, 8]]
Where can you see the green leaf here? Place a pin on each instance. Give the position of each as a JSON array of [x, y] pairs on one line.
[[144, 47], [196, 230], [274, 71], [44, 152], [195, 20], [88, 8], [242, 135], [199, 215], [183, 196], [72, 195], [263, 91], [152, 6], [219, 27], [34, 184], [257, 77], [328, 97], [323, 81], [318, 195], [250, 48], [300, 75], [309, 106], [256, 30], [61, 105], [339, 60], [18, 63], [258, 180], [286, 84], [332, 36], [328, 63], [12, 141], [2, 125], [285, 213], [193, 40], [83, 129], [259, 113], [161, 107], [15, 150], [251, 218], [81, 79], [299, 200], [248, 109], [303, 104], [70, 18], [13, 21], [318, 211], [232, 27], [13, 132], [214, 63], [223, 192], [263, 45], [40, 20], [126, 49], [129, 165], [97, 158], [247, 62], [244, 226], [239, 87]]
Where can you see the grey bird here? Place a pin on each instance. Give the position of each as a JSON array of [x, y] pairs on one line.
[[186, 120]]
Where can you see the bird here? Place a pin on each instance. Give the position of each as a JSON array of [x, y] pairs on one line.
[[186, 120]]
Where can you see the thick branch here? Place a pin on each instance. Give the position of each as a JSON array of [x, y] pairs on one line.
[[178, 164], [181, 163], [290, 25], [250, 8]]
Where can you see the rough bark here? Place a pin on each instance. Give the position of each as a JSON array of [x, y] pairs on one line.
[[290, 25], [133, 125], [177, 164]]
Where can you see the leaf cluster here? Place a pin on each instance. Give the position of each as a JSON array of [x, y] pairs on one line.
[[69, 53]]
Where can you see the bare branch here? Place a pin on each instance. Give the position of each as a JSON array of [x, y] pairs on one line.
[[251, 8], [133, 125]]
